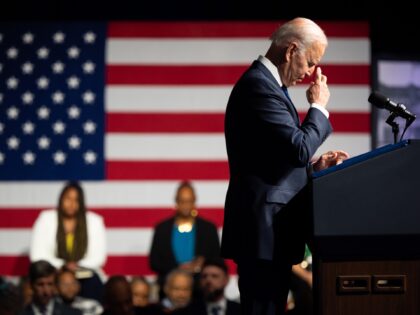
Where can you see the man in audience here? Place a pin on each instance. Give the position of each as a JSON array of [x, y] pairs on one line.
[[178, 290], [214, 278], [42, 276], [140, 289], [68, 289]]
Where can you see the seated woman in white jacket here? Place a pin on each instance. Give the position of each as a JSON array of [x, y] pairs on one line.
[[73, 237]]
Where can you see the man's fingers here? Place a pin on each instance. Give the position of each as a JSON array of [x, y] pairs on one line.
[[318, 75]]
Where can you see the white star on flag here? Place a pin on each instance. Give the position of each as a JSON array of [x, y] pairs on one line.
[[27, 67], [13, 143], [73, 52], [59, 37], [43, 53], [28, 157], [88, 97], [58, 67], [59, 157], [28, 38], [28, 128], [90, 157], [12, 53], [74, 142], [43, 112], [43, 83], [28, 97], [58, 97], [88, 67], [12, 83], [13, 112], [73, 112], [44, 143], [59, 127], [89, 127], [89, 37], [73, 82]]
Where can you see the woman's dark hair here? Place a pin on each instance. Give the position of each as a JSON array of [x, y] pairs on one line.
[[80, 235]]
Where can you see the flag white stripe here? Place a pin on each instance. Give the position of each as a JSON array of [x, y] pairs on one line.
[[165, 146], [213, 99], [221, 51], [111, 194], [204, 147]]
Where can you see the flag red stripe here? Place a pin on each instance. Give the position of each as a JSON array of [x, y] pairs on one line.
[[115, 265], [211, 123], [240, 29], [167, 170], [164, 122], [114, 218], [216, 74]]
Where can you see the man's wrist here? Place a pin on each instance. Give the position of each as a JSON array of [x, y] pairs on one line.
[[321, 108]]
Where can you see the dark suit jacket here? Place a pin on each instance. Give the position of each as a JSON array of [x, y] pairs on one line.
[[162, 258], [59, 309], [269, 152]]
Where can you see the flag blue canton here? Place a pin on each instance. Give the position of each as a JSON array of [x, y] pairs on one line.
[[52, 101]]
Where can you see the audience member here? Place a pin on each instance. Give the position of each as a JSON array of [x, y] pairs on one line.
[[140, 289], [118, 298], [68, 289], [25, 290], [42, 276], [214, 278], [184, 240], [178, 290], [10, 299], [73, 237]]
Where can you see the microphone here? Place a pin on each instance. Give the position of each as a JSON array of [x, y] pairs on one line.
[[381, 101]]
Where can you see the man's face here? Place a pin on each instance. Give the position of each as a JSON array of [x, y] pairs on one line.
[[179, 290], [43, 290], [68, 286], [140, 294], [213, 281], [300, 64]]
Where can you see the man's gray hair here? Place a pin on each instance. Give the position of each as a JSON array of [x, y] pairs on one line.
[[302, 30]]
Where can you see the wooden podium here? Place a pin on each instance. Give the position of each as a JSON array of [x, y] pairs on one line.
[[366, 233]]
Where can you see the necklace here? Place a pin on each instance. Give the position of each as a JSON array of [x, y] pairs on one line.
[[185, 227]]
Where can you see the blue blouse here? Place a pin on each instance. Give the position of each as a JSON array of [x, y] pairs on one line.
[[183, 244]]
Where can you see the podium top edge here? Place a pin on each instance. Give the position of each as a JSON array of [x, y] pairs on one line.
[[362, 157]]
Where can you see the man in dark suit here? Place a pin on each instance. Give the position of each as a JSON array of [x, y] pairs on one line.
[[270, 154], [42, 276]]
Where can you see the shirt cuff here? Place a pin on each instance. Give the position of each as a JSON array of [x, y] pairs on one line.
[[321, 108]]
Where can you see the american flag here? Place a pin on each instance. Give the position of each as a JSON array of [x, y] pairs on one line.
[[132, 108]]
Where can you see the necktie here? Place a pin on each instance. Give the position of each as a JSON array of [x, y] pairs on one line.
[[215, 310], [286, 92]]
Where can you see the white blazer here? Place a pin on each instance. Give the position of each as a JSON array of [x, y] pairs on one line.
[[44, 244]]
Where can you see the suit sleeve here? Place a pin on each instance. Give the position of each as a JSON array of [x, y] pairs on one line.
[[271, 110], [160, 257], [208, 240]]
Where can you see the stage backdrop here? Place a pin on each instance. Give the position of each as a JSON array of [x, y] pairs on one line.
[[132, 108]]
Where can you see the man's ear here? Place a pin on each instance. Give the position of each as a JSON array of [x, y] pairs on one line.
[[291, 50]]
